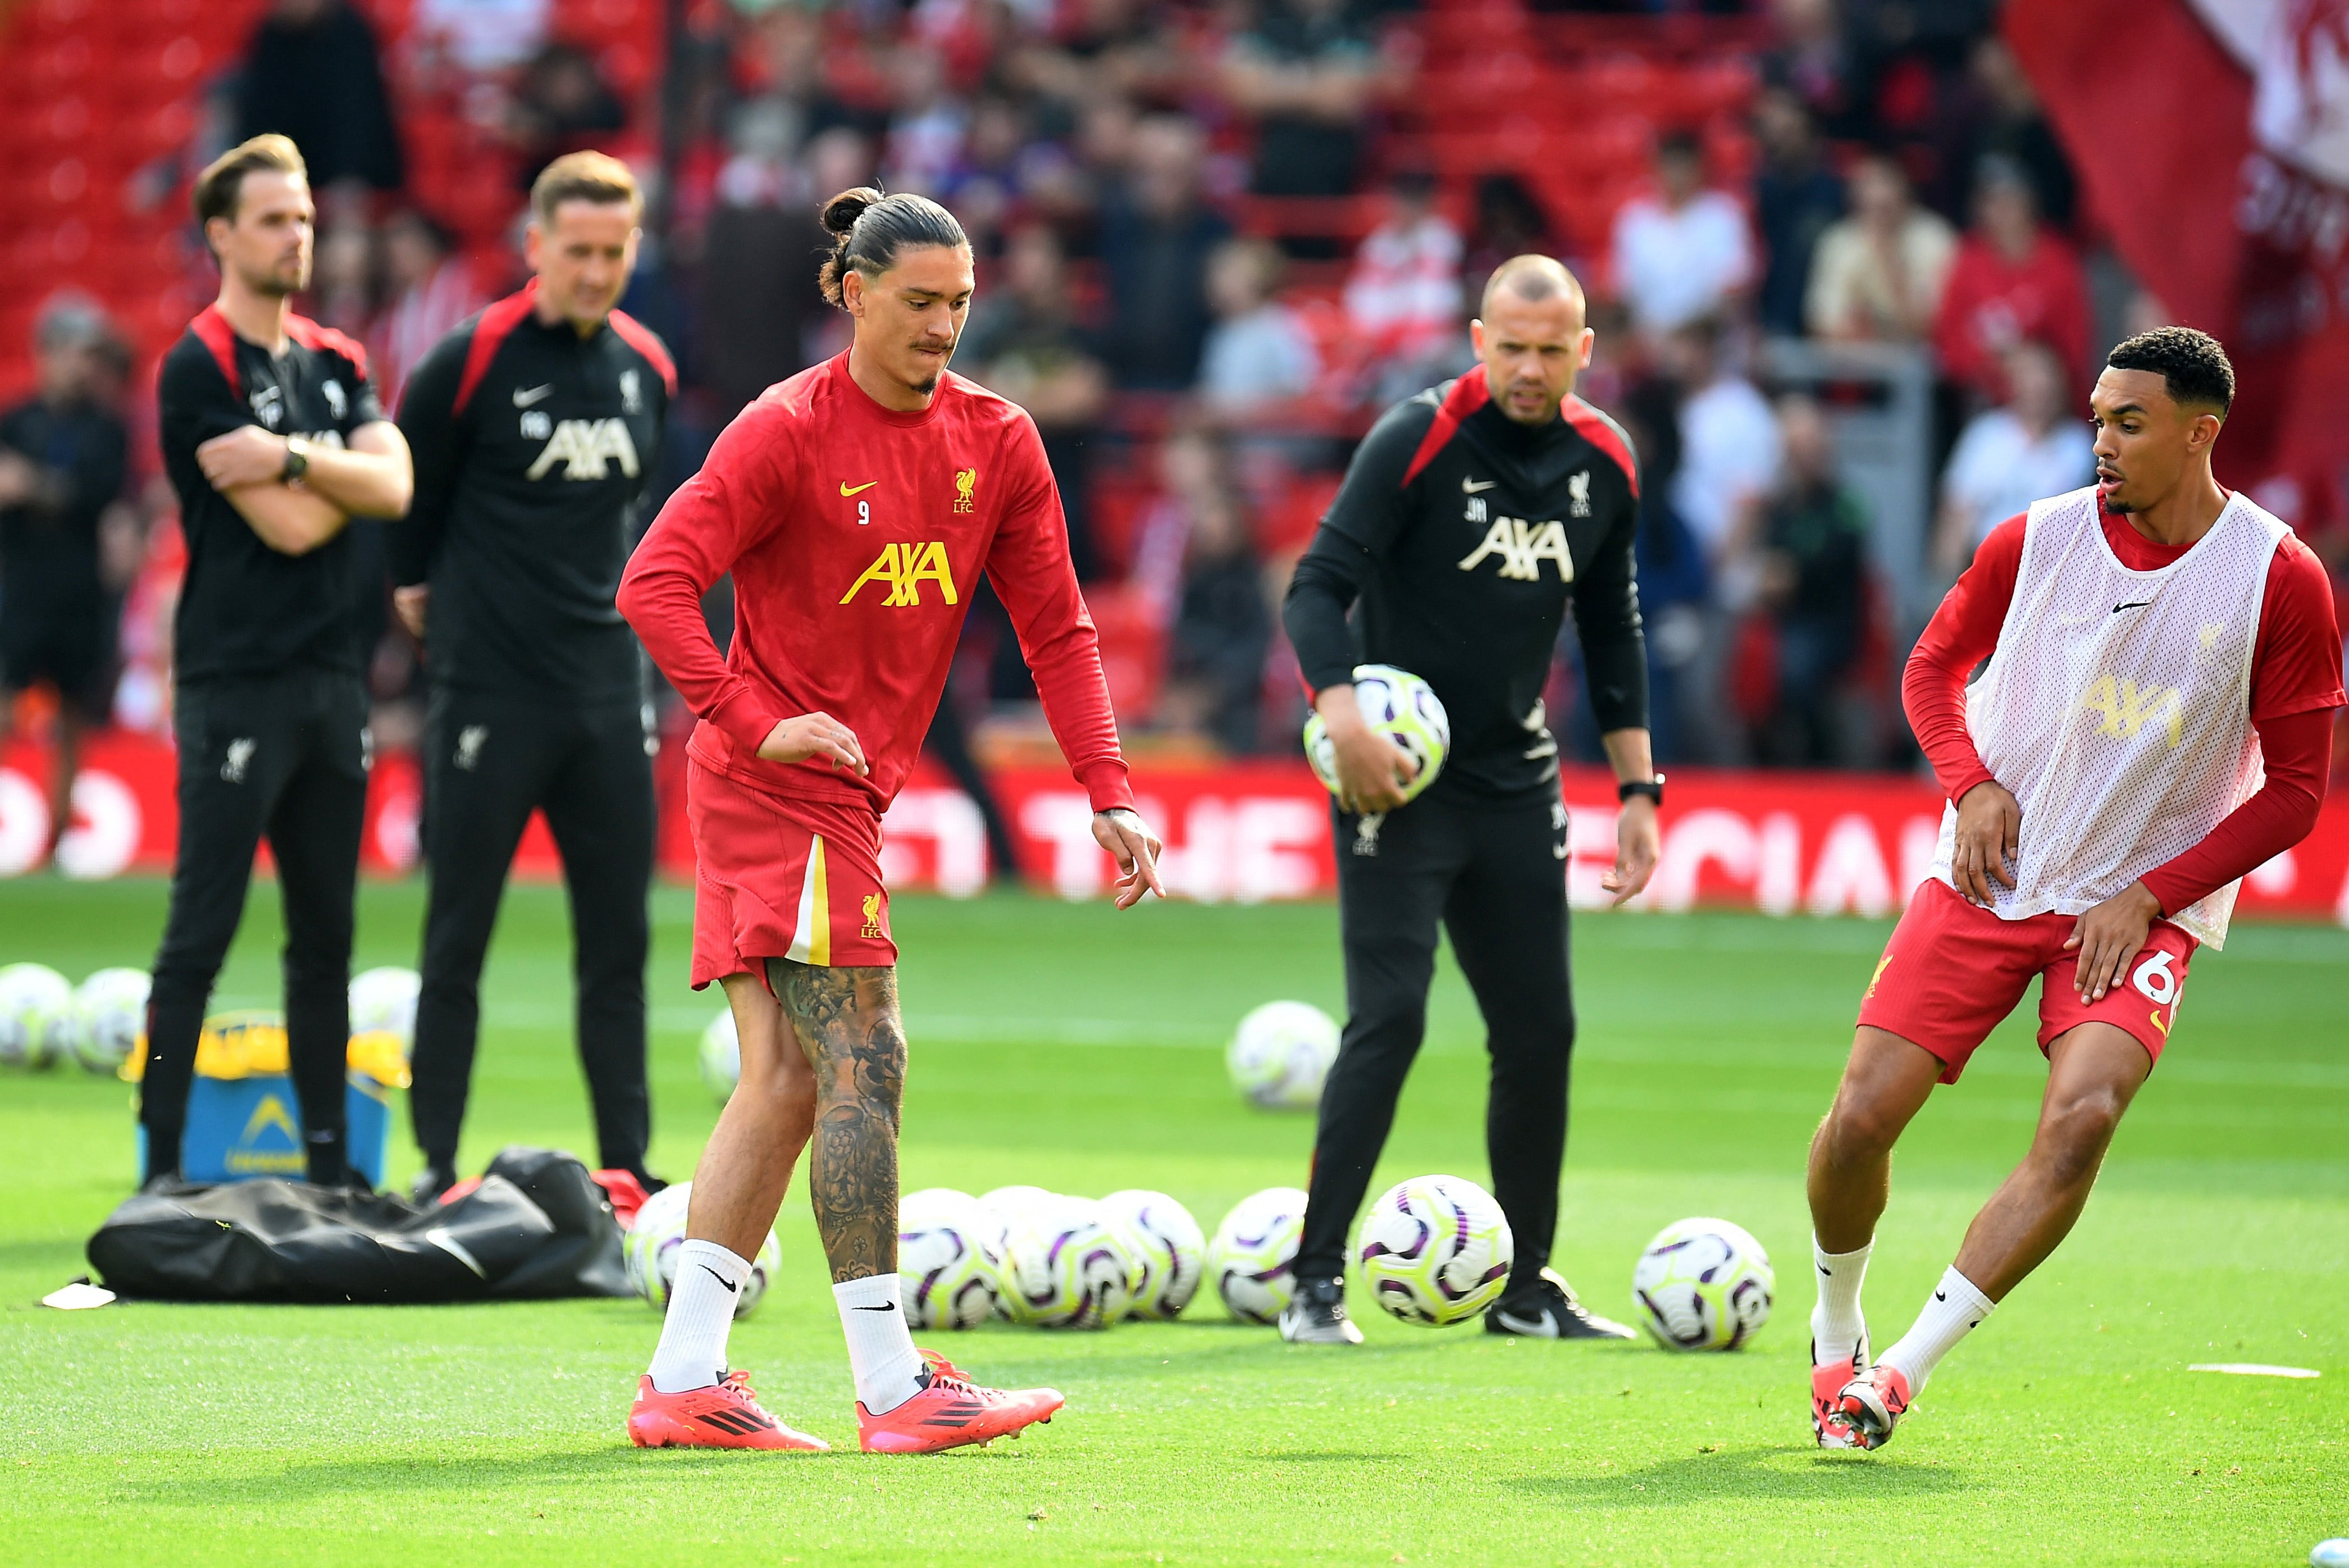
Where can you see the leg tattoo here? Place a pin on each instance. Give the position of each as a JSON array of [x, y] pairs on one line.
[[847, 1024]]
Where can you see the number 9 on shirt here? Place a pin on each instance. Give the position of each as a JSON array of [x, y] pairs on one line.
[[1401, 707]]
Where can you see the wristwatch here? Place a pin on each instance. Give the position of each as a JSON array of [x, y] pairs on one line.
[[297, 463], [1652, 788]]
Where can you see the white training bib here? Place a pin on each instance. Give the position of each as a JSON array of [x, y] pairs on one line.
[[2117, 708]]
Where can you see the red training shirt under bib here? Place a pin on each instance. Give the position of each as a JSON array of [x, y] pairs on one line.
[[856, 535]]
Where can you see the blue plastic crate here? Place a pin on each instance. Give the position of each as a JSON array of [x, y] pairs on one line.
[[241, 1129]]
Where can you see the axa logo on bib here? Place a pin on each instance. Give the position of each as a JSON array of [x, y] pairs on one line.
[[584, 448]]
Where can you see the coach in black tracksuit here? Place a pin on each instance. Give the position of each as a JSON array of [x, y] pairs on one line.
[[534, 441], [273, 440], [1470, 518]]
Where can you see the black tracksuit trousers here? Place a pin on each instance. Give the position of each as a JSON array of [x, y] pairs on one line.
[[489, 761], [1493, 874], [283, 755]]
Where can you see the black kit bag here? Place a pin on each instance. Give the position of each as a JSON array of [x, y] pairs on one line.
[[537, 1226]]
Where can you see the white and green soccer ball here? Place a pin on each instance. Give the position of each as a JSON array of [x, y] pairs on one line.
[[1703, 1285], [1006, 1206], [383, 1001], [1066, 1264], [721, 1056], [1168, 1247], [949, 1274], [1399, 706], [1281, 1055], [1435, 1249], [650, 1248], [36, 1016], [1252, 1260], [109, 1015]]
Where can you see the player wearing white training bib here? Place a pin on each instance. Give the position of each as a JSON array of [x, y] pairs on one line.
[[2153, 722]]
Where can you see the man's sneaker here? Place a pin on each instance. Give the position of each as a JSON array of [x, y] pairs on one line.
[[1316, 1314], [951, 1411], [430, 1184], [726, 1415], [1827, 1382], [1547, 1309], [1872, 1403]]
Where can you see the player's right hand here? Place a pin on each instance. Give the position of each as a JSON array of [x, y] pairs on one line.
[[1372, 771], [1990, 827], [813, 736]]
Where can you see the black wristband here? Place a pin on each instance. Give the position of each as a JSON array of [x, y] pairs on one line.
[[1652, 788]]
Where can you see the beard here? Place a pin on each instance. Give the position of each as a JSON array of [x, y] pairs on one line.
[[926, 386]]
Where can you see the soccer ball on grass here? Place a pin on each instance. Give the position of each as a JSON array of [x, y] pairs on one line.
[[1401, 707], [721, 1056], [1435, 1249], [109, 1017], [383, 1001], [1066, 1264], [36, 1016], [1253, 1257], [950, 1274], [1281, 1055], [1167, 1246], [1703, 1285], [649, 1249]]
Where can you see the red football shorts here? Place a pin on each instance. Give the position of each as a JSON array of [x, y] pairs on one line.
[[1954, 970], [797, 879]]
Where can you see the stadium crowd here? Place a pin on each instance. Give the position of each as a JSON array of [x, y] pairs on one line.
[[1214, 241]]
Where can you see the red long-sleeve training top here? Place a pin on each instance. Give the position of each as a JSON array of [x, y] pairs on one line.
[[855, 535], [2295, 687]]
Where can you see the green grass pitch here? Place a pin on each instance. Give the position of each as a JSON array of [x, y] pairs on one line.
[[1077, 1049]]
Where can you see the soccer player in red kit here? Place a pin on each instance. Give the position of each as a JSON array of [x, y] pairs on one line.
[[2155, 722], [856, 505]]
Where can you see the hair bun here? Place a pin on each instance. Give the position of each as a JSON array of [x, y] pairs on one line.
[[840, 213]]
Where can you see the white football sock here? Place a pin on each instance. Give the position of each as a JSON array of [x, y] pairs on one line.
[[1837, 1327], [701, 1302], [881, 1353], [1956, 1309]]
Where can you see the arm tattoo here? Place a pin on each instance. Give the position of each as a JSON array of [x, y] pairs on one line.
[[846, 1021]]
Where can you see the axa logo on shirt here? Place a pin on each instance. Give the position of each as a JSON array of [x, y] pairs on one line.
[[903, 569], [2123, 708], [1522, 546], [585, 447]]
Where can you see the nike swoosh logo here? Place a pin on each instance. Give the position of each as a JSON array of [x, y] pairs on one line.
[[846, 489], [719, 1278], [1471, 487], [885, 1306], [1941, 1295], [2133, 604], [524, 399]]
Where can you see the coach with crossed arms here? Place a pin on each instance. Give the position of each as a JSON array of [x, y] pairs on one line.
[[1470, 517], [273, 441], [535, 425]]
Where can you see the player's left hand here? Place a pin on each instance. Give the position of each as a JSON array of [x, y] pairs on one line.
[[1636, 848], [246, 455], [1136, 850], [2109, 936]]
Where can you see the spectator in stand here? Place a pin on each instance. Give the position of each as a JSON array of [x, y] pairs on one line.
[[2030, 448], [1110, 49], [1796, 197], [1996, 112], [481, 37], [1879, 274], [1216, 656], [1257, 354], [1403, 295], [1811, 61], [63, 458], [1682, 253], [1813, 586], [432, 289], [1024, 342], [560, 105], [1155, 235], [343, 277], [759, 255], [2012, 280], [1001, 168], [312, 72], [1729, 450], [1308, 74], [1510, 221], [926, 129]]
